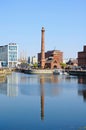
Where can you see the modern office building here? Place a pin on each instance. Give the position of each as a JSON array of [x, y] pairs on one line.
[[9, 55]]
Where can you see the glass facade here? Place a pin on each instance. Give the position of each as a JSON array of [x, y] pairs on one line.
[[9, 55], [12, 47], [12, 54]]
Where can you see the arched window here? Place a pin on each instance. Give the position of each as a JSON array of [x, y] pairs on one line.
[[55, 67]]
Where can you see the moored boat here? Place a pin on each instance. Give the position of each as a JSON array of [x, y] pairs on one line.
[[59, 72], [39, 71]]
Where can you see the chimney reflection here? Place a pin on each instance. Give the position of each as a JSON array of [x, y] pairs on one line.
[[42, 97], [51, 79]]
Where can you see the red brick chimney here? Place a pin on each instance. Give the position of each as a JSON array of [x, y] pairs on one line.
[[42, 48]]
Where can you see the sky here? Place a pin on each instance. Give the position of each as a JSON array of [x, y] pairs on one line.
[[64, 21]]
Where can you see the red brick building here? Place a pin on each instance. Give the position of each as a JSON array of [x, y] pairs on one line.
[[49, 59], [82, 57], [52, 59]]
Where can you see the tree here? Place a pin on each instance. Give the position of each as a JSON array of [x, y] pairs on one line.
[[63, 65], [35, 65]]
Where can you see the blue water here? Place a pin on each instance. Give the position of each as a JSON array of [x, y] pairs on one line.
[[42, 102]]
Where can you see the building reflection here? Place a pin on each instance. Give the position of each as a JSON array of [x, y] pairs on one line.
[[50, 78], [70, 78], [40, 85], [34, 80], [2, 79], [82, 87], [3, 86], [47, 79], [82, 93], [10, 86], [42, 97], [31, 85], [28, 78], [82, 80]]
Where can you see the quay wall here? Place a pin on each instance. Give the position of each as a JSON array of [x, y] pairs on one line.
[[36, 71], [77, 72], [39, 71]]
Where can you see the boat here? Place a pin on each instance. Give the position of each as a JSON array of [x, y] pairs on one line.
[[39, 71], [59, 72]]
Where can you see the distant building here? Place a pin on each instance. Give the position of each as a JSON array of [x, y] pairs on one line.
[[34, 60], [9, 55], [52, 59], [82, 58], [29, 60], [73, 62], [23, 58]]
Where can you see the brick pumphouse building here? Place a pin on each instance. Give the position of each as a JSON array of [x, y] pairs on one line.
[[49, 59], [53, 59], [82, 58]]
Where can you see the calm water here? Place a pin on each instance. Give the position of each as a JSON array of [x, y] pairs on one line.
[[42, 102]]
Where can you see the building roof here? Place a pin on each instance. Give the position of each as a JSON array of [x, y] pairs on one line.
[[49, 61]]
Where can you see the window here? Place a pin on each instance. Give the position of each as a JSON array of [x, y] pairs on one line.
[[12, 47]]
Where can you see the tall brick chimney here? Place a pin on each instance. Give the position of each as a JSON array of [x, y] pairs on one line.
[[42, 48]]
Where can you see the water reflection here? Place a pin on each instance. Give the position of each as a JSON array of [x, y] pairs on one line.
[[31, 84], [82, 87], [10, 86], [82, 80], [43, 89], [43, 102], [40, 85], [82, 93], [42, 97], [2, 79], [3, 87]]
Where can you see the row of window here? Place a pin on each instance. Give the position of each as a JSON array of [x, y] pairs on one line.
[[13, 54], [3, 49], [12, 47], [12, 59]]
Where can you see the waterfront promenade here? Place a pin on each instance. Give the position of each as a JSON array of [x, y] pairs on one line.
[[51, 71], [4, 72]]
